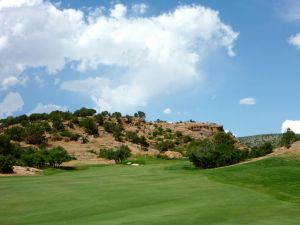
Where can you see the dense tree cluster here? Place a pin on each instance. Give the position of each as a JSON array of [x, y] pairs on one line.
[[220, 151], [11, 155]]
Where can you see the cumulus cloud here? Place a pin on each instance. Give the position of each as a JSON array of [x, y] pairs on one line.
[[139, 8], [167, 111], [155, 54], [247, 101], [294, 125], [13, 102], [295, 40], [40, 108]]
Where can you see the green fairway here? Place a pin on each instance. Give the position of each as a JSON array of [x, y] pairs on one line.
[[160, 192]]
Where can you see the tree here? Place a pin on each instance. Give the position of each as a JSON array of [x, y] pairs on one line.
[[122, 153], [6, 147], [57, 156], [89, 126], [288, 138], [119, 155], [165, 145], [99, 119], [117, 114], [6, 164], [83, 112], [35, 134], [261, 150], [220, 151], [15, 133], [140, 114]]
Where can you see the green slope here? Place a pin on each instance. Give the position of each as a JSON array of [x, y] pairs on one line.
[[160, 192]]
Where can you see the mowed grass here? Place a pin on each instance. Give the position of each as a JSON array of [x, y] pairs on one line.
[[160, 192]]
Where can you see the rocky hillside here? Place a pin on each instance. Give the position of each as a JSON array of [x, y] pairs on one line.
[[84, 133]]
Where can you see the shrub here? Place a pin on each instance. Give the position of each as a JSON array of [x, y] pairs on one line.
[[107, 154], [35, 134], [178, 134], [116, 114], [117, 133], [15, 133], [57, 156], [34, 158], [288, 138], [261, 150], [83, 112], [89, 126], [110, 127], [38, 116], [6, 164], [58, 124], [140, 114], [119, 155], [132, 137], [165, 145], [99, 119], [6, 147], [122, 153], [219, 151]]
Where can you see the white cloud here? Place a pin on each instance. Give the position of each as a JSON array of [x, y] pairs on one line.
[[40, 108], [13, 102], [295, 40], [139, 8], [167, 111], [156, 54], [294, 125], [247, 101], [119, 11]]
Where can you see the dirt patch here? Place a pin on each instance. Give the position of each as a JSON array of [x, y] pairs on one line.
[[24, 171]]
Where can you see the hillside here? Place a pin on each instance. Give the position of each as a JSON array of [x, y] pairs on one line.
[[84, 133], [256, 140]]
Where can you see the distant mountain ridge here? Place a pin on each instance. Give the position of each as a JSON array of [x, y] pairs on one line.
[[256, 140]]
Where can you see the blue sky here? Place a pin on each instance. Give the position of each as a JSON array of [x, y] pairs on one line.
[[235, 63]]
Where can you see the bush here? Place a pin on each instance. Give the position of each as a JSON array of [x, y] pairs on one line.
[[219, 151], [34, 158], [165, 145], [6, 164], [261, 150], [119, 155], [117, 133], [132, 137], [107, 154], [35, 134], [288, 138], [57, 156], [89, 126], [69, 134], [83, 112], [6, 147], [15, 133], [122, 153], [58, 124], [140, 114], [110, 127], [99, 119]]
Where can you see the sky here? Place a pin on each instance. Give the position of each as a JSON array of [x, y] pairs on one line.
[[235, 63]]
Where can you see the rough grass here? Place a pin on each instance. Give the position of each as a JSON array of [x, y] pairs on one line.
[[160, 192]]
